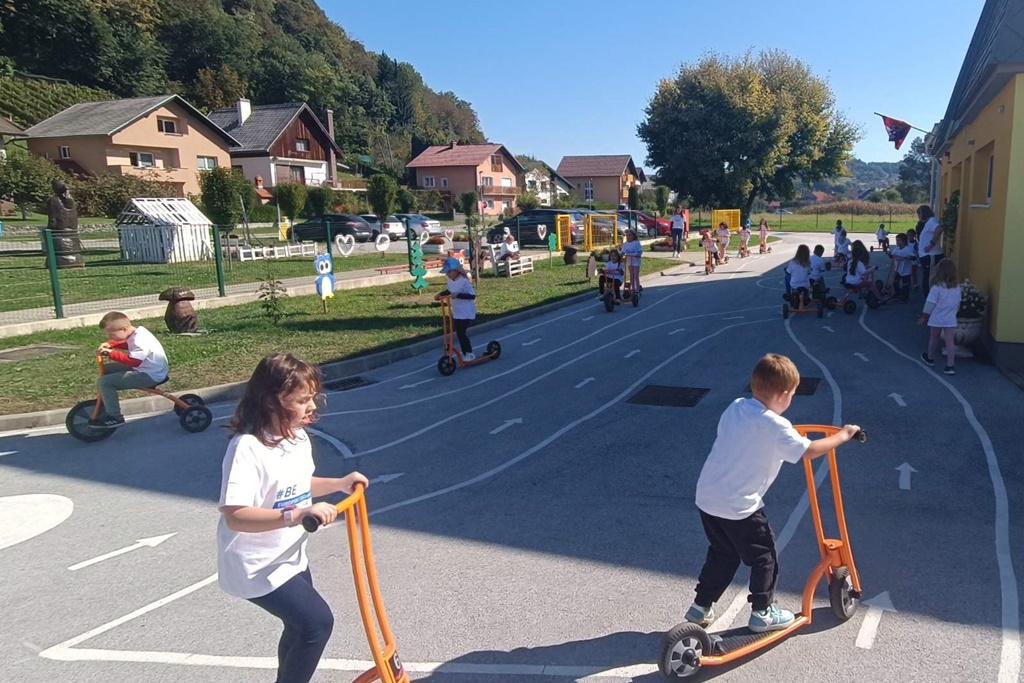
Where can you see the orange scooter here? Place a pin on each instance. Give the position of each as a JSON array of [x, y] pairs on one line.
[[452, 357], [688, 647], [388, 666]]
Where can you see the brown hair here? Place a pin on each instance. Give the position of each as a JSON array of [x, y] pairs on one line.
[[803, 255], [114, 317], [924, 212], [260, 412], [773, 375], [945, 275]]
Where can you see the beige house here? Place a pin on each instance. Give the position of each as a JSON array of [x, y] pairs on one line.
[[602, 179], [163, 137], [489, 170], [7, 130]]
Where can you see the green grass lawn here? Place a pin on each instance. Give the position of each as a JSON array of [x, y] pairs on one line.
[[25, 282], [357, 322], [820, 223]]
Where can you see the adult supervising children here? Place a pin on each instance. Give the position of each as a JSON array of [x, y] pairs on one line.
[[678, 231], [929, 245]]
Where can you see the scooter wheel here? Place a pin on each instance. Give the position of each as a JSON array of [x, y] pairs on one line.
[[872, 301], [609, 302], [785, 311], [191, 399], [850, 307], [77, 423], [493, 350], [831, 302], [681, 650], [839, 594], [195, 419], [446, 366]]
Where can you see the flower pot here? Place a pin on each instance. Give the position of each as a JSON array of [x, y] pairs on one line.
[[435, 249], [968, 330]]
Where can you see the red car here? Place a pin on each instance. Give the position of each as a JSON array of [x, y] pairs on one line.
[[663, 226]]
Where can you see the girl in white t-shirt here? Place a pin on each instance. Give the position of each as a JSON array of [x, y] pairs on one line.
[[613, 272], [843, 247], [267, 489], [634, 252], [798, 276], [745, 241], [723, 240], [940, 309], [860, 272], [762, 230]]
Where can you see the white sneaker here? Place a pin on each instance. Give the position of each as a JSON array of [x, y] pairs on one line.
[[468, 357]]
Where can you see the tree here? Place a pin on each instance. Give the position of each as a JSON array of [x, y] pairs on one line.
[[382, 191], [528, 201], [26, 179], [915, 173], [224, 192], [661, 193], [730, 131], [217, 88], [467, 203], [319, 200], [633, 198], [406, 201], [107, 194], [291, 197]]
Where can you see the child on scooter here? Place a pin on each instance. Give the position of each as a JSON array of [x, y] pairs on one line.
[[613, 270], [762, 231], [267, 489], [753, 442], [745, 240], [135, 360], [460, 287], [883, 237], [633, 251], [723, 240], [843, 248]]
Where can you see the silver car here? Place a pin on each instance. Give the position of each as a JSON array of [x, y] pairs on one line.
[[418, 222], [392, 227]]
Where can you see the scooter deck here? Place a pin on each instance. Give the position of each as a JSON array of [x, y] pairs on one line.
[[724, 642]]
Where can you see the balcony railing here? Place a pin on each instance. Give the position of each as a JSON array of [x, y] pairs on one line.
[[350, 184], [498, 190]]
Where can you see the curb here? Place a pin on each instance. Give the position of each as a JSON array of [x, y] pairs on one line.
[[331, 371]]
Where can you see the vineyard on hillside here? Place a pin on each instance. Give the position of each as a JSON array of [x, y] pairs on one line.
[[27, 101]]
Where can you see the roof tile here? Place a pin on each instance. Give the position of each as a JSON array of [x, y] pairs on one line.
[[596, 165]]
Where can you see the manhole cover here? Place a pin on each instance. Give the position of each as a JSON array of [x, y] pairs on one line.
[[32, 351], [347, 383], [673, 397], [807, 386]]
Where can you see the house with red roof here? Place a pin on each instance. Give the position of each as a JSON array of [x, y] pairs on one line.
[[489, 170], [602, 178]]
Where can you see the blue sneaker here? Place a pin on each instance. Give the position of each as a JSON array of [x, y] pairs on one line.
[[698, 615], [771, 619]]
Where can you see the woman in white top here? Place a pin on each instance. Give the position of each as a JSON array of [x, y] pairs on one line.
[[929, 244], [940, 310], [678, 231]]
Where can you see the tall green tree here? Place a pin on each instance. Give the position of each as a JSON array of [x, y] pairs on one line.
[[290, 197], [727, 131], [633, 198], [406, 200], [382, 192], [661, 193], [25, 179], [915, 173], [220, 197], [319, 200]]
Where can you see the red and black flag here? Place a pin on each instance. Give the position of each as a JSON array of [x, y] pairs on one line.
[[897, 130]]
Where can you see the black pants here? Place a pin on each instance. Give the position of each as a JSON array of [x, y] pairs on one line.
[[749, 541], [677, 240], [461, 325], [901, 286], [308, 623], [927, 263], [616, 285]]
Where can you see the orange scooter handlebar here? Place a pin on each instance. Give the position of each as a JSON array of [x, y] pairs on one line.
[[311, 524]]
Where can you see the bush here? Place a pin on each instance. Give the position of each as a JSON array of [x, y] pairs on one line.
[[263, 213], [107, 194], [320, 200], [859, 207], [291, 197], [407, 201], [527, 201]]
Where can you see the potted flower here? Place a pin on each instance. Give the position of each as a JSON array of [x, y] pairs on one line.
[[435, 245], [970, 319]]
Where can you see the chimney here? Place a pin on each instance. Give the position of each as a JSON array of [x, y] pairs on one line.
[[453, 144], [332, 160], [244, 110], [259, 182]]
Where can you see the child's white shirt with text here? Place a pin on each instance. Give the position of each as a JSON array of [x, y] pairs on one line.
[[250, 565], [751, 445]]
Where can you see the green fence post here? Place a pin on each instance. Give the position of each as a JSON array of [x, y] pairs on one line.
[[409, 237], [218, 257], [51, 264]]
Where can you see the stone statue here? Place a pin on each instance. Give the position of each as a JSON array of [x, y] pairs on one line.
[[180, 316], [62, 222]]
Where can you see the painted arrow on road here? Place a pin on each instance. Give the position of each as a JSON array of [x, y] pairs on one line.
[[385, 478], [531, 343], [151, 542], [869, 628], [508, 423], [899, 400], [905, 471], [632, 353], [861, 356], [584, 382], [410, 386]]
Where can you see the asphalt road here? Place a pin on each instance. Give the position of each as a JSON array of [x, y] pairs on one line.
[[543, 526]]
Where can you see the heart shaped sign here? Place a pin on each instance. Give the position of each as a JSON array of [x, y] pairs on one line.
[[345, 244], [423, 237], [382, 243], [449, 234], [542, 231]]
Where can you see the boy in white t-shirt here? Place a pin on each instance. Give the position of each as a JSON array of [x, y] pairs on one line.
[[903, 259], [752, 443], [136, 361], [818, 268]]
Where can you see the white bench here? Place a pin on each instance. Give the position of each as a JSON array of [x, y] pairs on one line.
[[509, 267]]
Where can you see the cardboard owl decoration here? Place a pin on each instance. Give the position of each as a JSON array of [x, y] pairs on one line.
[[325, 276]]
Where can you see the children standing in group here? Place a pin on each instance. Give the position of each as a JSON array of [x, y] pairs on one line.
[[903, 257], [633, 251], [613, 271], [798, 270], [135, 360], [940, 309], [460, 287], [753, 442], [723, 240], [267, 489]]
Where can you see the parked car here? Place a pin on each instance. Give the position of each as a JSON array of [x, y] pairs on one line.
[[316, 229], [392, 227], [663, 226], [527, 222], [418, 222]]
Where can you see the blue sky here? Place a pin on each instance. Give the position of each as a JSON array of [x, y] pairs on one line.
[[557, 77]]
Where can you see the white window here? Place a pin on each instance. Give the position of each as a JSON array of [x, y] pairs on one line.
[[169, 126], [988, 190], [506, 182], [588, 190], [65, 153], [206, 163], [302, 145], [428, 181], [444, 183], [488, 181], [141, 159]]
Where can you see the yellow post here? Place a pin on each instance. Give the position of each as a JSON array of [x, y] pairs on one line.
[[563, 231], [588, 232]]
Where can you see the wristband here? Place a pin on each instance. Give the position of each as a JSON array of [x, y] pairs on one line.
[[289, 516]]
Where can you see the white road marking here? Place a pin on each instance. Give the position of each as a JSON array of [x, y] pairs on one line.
[[632, 353], [899, 399], [385, 478], [589, 317], [1010, 652], [344, 450], [735, 317], [3, 453], [681, 329], [27, 516], [531, 343], [869, 627], [584, 382], [416, 384], [506, 425], [905, 471], [150, 542], [826, 327], [861, 356]]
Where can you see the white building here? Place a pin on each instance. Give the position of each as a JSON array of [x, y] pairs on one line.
[[545, 182]]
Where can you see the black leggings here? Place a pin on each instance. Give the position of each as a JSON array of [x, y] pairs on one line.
[[677, 240], [616, 284], [461, 325], [308, 623]]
